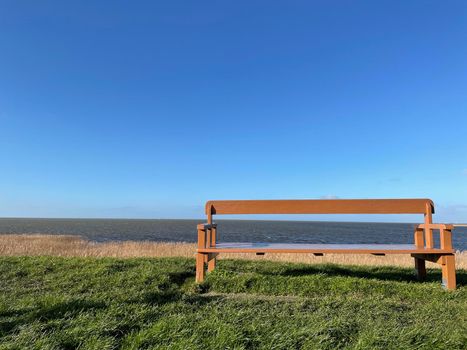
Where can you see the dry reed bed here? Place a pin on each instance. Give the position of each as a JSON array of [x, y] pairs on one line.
[[64, 245]]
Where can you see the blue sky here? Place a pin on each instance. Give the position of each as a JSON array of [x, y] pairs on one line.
[[148, 109]]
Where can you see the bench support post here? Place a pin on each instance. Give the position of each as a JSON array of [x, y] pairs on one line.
[[448, 263], [420, 269], [428, 230], [212, 261], [448, 268], [200, 273], [212, 243], [200, 257], [206, 239]]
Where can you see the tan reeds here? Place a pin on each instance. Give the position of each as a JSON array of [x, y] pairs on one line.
[[65, 245]]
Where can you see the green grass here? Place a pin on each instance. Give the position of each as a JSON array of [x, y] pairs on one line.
[[89, 303]]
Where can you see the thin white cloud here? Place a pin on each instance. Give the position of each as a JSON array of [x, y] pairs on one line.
[[329, 196], [464, 172], [455, 213]]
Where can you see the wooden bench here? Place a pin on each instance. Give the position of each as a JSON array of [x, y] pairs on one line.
[[422, 250]]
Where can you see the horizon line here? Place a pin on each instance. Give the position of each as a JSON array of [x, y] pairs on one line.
[[203, 219]]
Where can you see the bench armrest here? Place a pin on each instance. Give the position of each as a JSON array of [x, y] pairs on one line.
[[207, 235], [424, 234]]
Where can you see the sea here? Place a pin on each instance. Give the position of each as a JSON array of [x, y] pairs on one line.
[[104, 230]]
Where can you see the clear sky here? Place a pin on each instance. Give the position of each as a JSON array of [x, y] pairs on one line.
[[147, 109]]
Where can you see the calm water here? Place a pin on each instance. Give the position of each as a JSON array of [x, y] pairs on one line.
[[229, 230]]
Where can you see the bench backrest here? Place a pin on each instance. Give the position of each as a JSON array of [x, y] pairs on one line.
[[322, 206]]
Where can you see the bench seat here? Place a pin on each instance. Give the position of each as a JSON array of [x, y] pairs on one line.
[[322, 248]]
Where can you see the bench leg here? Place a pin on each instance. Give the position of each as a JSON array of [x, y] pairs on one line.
[[211, 262], [420, 269], [200, 273], [448, 269]]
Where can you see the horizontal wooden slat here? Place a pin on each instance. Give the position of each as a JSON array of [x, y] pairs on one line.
[[320, 206], [205, 226], [435, 226], [323, 248]]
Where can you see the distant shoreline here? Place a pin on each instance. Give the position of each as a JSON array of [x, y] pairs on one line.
[[75, 246]]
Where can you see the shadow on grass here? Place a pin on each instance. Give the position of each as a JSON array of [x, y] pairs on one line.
[[44, 313], [180, 277], [69, 308], [170, 291], [385, 273]]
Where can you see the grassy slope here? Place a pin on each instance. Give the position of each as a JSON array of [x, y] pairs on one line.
[[68, 303]]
